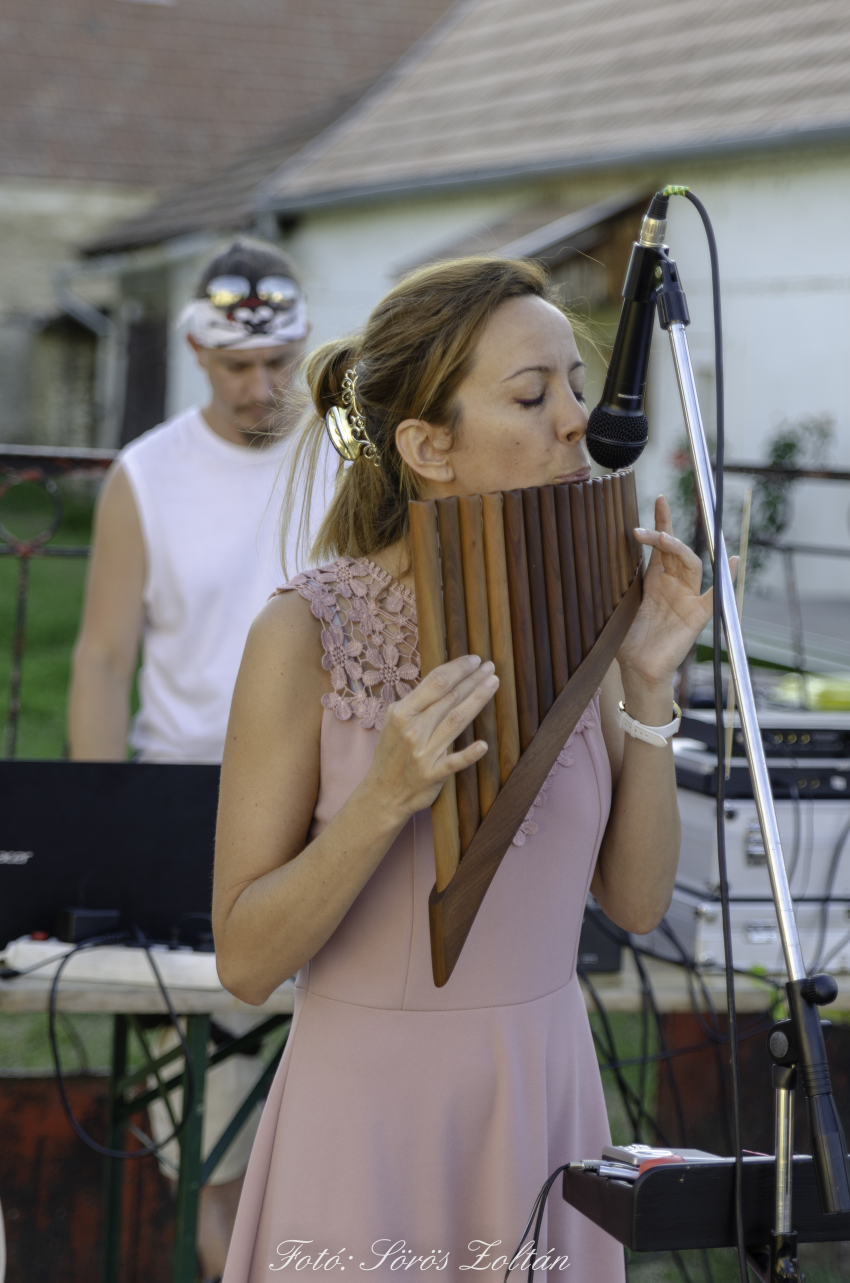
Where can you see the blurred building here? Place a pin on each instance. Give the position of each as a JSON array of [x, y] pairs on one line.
[[537, 128], [106, 106], [528, 127]]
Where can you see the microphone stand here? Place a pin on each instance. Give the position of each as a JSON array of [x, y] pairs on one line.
[[798, 1042]]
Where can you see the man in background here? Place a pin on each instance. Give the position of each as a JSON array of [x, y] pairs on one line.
[[185, 548], [185, 552]]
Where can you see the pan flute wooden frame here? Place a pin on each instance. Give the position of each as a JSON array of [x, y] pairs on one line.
[[545, 582]]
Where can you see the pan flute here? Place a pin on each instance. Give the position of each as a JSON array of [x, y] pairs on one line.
[[545, 582]]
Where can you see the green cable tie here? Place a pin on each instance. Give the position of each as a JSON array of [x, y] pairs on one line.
[[675, 191]]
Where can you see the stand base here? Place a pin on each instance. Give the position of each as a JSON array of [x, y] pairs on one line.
[[687, 1205]]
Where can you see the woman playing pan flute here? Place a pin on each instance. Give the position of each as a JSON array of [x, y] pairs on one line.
[[410, 1126]]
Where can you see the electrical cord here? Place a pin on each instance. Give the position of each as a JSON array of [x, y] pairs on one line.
[[633, 1106], [537, 1210], [836, 949], [104, 1150], [634, 1103], [721, 737], [720, 800], [659, 1028], [795, 797], [835, 861]]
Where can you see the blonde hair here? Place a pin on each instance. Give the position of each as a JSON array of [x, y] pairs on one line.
[[412, 355]]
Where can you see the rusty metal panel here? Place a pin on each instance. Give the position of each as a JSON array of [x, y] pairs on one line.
[[51, 1188]]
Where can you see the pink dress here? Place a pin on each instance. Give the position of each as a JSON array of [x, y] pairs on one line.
[[410, 1128]]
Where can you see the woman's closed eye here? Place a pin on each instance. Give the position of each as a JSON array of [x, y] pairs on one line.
[[528, 405]]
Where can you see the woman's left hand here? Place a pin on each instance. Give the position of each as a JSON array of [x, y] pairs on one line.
[[672, 613]]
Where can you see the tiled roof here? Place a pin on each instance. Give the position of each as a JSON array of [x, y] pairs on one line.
[[224, 201], [514, 86], [156, 94]]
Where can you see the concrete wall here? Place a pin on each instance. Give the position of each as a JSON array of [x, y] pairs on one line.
[[785, 263], [41, 223]]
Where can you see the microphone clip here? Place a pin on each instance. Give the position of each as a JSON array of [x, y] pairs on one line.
[[670, 297]]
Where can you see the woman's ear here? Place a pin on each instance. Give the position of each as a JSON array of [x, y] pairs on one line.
[[425, 449]]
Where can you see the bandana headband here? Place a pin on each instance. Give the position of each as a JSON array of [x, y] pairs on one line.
[[243, 328]]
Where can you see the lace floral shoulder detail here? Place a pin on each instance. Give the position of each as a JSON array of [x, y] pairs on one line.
[[589, 718], [369, 636]]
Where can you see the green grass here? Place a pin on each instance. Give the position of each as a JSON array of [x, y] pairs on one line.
[[53, 612], [84, 1042]]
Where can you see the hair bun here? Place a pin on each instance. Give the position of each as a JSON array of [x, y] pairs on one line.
[[325, 373]]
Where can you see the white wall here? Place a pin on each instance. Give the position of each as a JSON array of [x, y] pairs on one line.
[[781, 228], [780, 222], [350, 258], [187, 384]]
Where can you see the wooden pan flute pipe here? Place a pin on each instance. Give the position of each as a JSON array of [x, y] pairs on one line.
[[544, 582]]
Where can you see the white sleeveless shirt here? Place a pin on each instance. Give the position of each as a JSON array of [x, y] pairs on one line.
[[210, 518]]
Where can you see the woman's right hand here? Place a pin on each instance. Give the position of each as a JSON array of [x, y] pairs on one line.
[[412, 758]]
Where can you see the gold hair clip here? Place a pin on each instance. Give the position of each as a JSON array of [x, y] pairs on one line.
[[346, 426]]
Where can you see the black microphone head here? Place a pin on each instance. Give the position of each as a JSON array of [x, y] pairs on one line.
[[616, 440]]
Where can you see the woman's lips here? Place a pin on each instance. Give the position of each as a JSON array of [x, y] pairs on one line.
[[581, 474]]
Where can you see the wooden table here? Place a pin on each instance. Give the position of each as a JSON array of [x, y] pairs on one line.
[[129, 1095]]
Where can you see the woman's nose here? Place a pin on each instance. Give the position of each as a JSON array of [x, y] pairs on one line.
[[572, 418]]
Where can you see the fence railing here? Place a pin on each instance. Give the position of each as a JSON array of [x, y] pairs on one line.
[[41, 465]]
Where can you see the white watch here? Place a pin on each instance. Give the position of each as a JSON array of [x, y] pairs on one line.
[[657, 735]]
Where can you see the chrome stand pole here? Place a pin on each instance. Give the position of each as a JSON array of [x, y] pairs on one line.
[[737, 658], [783, 1265], [784, 1081], [754, 746]]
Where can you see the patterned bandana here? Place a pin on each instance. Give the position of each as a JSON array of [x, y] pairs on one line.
[[243, 326]]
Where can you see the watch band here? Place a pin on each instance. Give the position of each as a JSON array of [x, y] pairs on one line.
[[657, 735]]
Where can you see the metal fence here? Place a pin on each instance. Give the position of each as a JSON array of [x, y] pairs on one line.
[[41, 465], [44, 465]]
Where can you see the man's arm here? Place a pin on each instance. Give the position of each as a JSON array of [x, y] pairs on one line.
[[108, 642]]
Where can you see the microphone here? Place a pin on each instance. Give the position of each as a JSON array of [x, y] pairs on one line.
[[617, 430]]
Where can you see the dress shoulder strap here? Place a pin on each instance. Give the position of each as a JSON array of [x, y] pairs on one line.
[[368, 634]]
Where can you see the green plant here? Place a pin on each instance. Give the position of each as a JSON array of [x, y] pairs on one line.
[[795, 444]]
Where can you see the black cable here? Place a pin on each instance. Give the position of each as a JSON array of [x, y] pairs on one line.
[[632, 1105], [672, 1052], [838, 851], [537, 1210], [644, 1044], [683, 1269], [712, 1030], [189, 1096], [795, 797], [674, 1086], [542, 1199], [623, 938], [842, 943], [718, 708], [720, 808], [79, 1046]]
